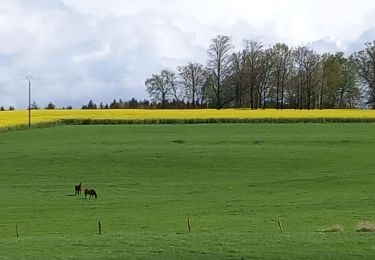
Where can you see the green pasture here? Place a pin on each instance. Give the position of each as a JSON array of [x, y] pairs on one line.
[[233, 181]]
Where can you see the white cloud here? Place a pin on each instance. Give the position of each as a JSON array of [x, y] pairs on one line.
[[94, 55], [83, 49]]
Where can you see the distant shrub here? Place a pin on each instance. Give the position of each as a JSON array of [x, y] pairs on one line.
[[50, 106], [90, 105], [365, 226], [34, 106], [333, 229]]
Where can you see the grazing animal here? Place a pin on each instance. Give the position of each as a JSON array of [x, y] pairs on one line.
[[78, 189], [91, 193]]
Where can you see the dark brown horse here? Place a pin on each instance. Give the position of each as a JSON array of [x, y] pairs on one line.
[[91, 193], [78, 189]]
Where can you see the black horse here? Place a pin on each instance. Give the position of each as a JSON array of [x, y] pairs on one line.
[[78, 189], [91, 193]]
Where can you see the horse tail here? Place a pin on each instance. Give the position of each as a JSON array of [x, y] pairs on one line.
[[96, 196]]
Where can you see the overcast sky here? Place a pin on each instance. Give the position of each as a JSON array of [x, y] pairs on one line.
[[105, 49]]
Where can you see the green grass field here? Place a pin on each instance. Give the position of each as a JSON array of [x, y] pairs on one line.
[[234, 181]]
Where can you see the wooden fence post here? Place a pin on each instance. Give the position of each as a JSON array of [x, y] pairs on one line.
[[17, 233], [280, 225], [188, 223]]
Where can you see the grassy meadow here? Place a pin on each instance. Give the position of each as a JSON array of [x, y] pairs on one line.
[[234, 181]]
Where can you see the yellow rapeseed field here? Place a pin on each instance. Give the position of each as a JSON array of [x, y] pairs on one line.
[[20, 117]]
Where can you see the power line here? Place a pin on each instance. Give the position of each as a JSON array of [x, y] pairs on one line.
[[5, 82], [78, 79]]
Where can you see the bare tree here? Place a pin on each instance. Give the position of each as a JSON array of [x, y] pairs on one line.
[[265, 79], [159, 87], [219, 65], [282, 69], [254, 53], [306, 65], [173, 84], [364, 60], [193, 77], [238, 75]]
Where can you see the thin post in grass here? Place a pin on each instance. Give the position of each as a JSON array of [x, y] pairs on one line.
[[17, 233], [99, 228], [280, 225], [188, 224]]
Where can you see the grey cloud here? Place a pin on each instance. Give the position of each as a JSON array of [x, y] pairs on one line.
[[324, 45], [359, 44]]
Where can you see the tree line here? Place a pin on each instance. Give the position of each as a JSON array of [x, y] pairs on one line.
[[260, 77], [115, 104]]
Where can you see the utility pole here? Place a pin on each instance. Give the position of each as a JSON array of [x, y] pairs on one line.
[[29, 78]]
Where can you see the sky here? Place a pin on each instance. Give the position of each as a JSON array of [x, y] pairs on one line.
[[77, 50]]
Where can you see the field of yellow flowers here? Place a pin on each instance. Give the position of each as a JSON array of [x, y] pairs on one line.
[[20, 117]]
